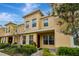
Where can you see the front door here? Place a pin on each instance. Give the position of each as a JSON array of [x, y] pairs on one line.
[[38, 41], [10, 40]]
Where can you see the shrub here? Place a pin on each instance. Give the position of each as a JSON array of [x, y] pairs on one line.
[[14, 45], [21, 49], [28, 49], [65, 51], [4, 45], [10, 51], [46, 52]]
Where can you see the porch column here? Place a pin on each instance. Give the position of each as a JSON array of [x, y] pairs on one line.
[[13, 39], [2, 40], [21, 39], [5, 40], [27, 40]]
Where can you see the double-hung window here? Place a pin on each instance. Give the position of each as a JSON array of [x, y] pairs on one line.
[[30, 39], [33, 22], [45, 22], [48, 39]]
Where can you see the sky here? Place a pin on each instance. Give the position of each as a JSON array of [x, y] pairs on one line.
[[14, 12]]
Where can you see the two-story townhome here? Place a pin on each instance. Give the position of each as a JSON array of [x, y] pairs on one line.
[[43, 30]]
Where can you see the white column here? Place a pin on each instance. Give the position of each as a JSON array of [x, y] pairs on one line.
[[27, 40], [13, 39], [4, 39], [21, 39]]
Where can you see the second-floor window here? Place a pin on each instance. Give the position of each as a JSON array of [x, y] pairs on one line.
[[34, 23], [46, 22], [7, 30], [27, 24]]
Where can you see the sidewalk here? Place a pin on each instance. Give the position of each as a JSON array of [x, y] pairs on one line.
[[3, 54], [38, 53]]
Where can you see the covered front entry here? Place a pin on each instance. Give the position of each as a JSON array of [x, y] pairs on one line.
[[10, 39], [46, 39]]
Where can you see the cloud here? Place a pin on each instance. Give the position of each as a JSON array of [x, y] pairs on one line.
[[30, 7], [7, 17], [12, 7]]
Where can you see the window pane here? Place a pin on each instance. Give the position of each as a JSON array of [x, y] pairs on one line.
[[45, 39], [51, 39], [30, 39], [34, 23], [46, 22]]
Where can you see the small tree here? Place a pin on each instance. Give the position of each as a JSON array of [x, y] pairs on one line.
[[70, 14]]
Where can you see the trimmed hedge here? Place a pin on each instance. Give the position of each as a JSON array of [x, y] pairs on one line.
[[65, 51]]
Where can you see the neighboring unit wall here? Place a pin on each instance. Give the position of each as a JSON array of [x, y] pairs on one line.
[[34, 38], [2, 32], [10, 29], [20, 28]]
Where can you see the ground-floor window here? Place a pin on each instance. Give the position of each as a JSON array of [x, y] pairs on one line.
[[76, 39], [30, 39], [24, 39], [48, 39]]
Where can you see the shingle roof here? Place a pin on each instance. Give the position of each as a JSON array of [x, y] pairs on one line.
[[10, 23]]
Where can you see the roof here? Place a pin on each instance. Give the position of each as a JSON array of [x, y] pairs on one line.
[[20, 24], [10, 23], [33, 13]]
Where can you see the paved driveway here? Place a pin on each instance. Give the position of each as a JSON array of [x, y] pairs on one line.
[[3, 54]]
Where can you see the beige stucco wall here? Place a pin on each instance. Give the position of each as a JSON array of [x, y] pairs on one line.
[[62, 40]]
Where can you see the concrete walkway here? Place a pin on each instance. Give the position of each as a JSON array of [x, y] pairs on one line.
[[3, 54], [38, 53]]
